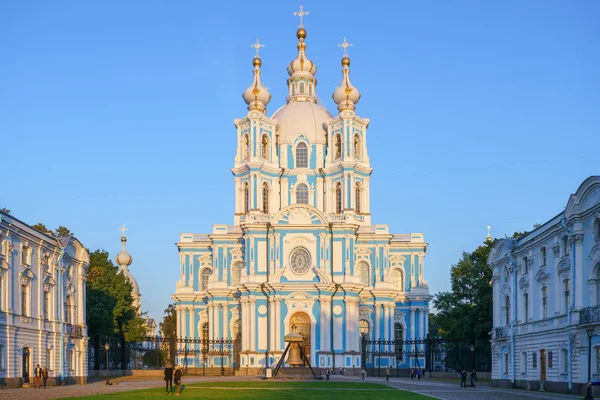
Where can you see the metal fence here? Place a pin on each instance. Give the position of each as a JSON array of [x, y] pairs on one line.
[[196, 356], [429, 354]]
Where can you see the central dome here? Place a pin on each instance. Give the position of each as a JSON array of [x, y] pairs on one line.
[[302, 117]]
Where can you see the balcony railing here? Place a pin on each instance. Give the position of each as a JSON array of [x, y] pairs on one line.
[[73, 330], [589, 314], [501, 332]]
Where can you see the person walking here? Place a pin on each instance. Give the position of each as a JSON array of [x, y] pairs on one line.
[[45, 376], [473, 378], [412, 374], [419, 374], [362, 373], [178, 380], [168, 378], [37, 375], [463, 378], [387, 374]]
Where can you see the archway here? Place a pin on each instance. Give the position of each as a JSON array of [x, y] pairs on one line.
[[26, 364], [542, 365], [300, 323]]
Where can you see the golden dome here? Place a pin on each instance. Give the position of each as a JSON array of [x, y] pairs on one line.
[[345, 61], [301, 33], [256, 62]]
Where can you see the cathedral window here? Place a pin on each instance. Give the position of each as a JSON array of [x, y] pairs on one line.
[[69, 310], [363, 269], [46, 304], [338, 198], [565, 245], [357, 147], [264, 149], [24, 300], [544, 302], [398, 337], [596, 226], [265, 198], [310, 89], [302, 194], [357, 194], [506, 310], [337, 142], [204, 279], [204, 338], [246, 198], [293, 89], [301, 155], [301, 87], [397, 279], [245, 147], [363, 328], [25, 253], [543, 256], [236, 274], [567, 294]]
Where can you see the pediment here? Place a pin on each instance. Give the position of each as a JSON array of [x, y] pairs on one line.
[[300, 214], [524, 282], [542, 275]]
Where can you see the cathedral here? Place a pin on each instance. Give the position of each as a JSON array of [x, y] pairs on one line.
[[302, 254]]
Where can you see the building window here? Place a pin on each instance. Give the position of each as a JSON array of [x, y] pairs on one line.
[[397, 279], [25, 255], [46, 304], [205, 338], [543, 256], [596, 228], [69, 310], [236, 276], [24, 300], [49, 358], [506, 310], [534, 359], [525, 266], [564, 361], [337, 143], [338, 198], [363, 328], [204, 279], [310, 92], [598, 360], [265, 198], [301, 87], [293, 89], [264, 147], [544, 302], [549, 359], [564, 243], [567, 294], [2, 357], [71, 360], [246, 198], [525, 307], [357, 146], [301, 155], [357, 194], [245, 147], [398, 337], [363, 269], [524, 362], [302, 194], [505, 363]]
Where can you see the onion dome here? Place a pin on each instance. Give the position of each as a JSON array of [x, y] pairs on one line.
[[346, 95], [302, 82], [257, 96], [124, 259]]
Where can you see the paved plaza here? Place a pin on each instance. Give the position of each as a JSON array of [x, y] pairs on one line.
[[438, 390]]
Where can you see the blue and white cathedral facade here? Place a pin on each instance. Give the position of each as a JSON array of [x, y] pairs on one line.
[[302, 254]]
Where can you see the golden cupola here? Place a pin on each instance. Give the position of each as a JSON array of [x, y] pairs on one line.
[[346, 95], [302, 82], [257, 96]]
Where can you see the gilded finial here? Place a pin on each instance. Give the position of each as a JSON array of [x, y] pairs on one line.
[[345, 46], [123, 229], [301, 13], [256, 46], [489, 235]]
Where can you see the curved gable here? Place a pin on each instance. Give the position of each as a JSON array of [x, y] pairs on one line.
[[586, 197], [300, 214]]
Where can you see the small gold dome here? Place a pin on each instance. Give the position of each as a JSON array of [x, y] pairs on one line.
[[256, 62], [345, 61], [301, 33]]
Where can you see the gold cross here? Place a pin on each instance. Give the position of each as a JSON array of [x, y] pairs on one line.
[[301, 14], [257, 46], [123, 229], [345, 45]]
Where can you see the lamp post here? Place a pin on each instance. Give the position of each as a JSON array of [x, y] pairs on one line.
[[472, 348], [590, 333], [106, 348]]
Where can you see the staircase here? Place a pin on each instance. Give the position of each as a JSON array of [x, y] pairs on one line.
[[535, 385]]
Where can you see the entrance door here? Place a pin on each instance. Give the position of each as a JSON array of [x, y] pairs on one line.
[[543, 365], [26, 359], [300, 323]]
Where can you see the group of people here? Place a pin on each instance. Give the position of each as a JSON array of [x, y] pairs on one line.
[[416, 373], [173, 374], [40, 374], [463, 378]]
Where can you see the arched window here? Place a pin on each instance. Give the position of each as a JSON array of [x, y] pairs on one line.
[[357, 147], [246, 198], [301, 87], [302, 194], [265, 198], [293, 89], [397, 279], [310, 90], [506, 310], [68, 310], [301, 155], [544, 302], [363, 328], [357, 194], [245, 147], [204, 279], [567, 294], [338, 198], [337, 143], [363, 270], [236, 274], [264, 147]]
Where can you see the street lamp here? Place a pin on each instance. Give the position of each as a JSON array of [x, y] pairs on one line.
[[472, 348], [107, 347], [590, 333]]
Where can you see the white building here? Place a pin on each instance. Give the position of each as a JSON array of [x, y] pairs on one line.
[[546, 294], [302, 254], [42, 304]]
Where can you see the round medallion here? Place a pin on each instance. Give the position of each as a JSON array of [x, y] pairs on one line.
[[300, 260]]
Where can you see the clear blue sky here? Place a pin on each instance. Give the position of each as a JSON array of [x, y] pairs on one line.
[[117, 112]]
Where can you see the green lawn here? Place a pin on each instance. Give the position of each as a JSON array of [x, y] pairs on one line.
[[272, 390]]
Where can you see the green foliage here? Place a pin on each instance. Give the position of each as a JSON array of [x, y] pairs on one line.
[[110, 308], [5, 210], [168, 327], [517, 235], [466, 310], [42, 228], [61, 231]]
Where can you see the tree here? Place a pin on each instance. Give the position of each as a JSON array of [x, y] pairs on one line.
[[61, 231], [168, 326], [5, 210], [42, 228]]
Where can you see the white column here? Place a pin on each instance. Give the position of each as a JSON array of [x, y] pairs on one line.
[[253, 324], [412, 324], [377, 335], [580, 281], [278, 323]]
